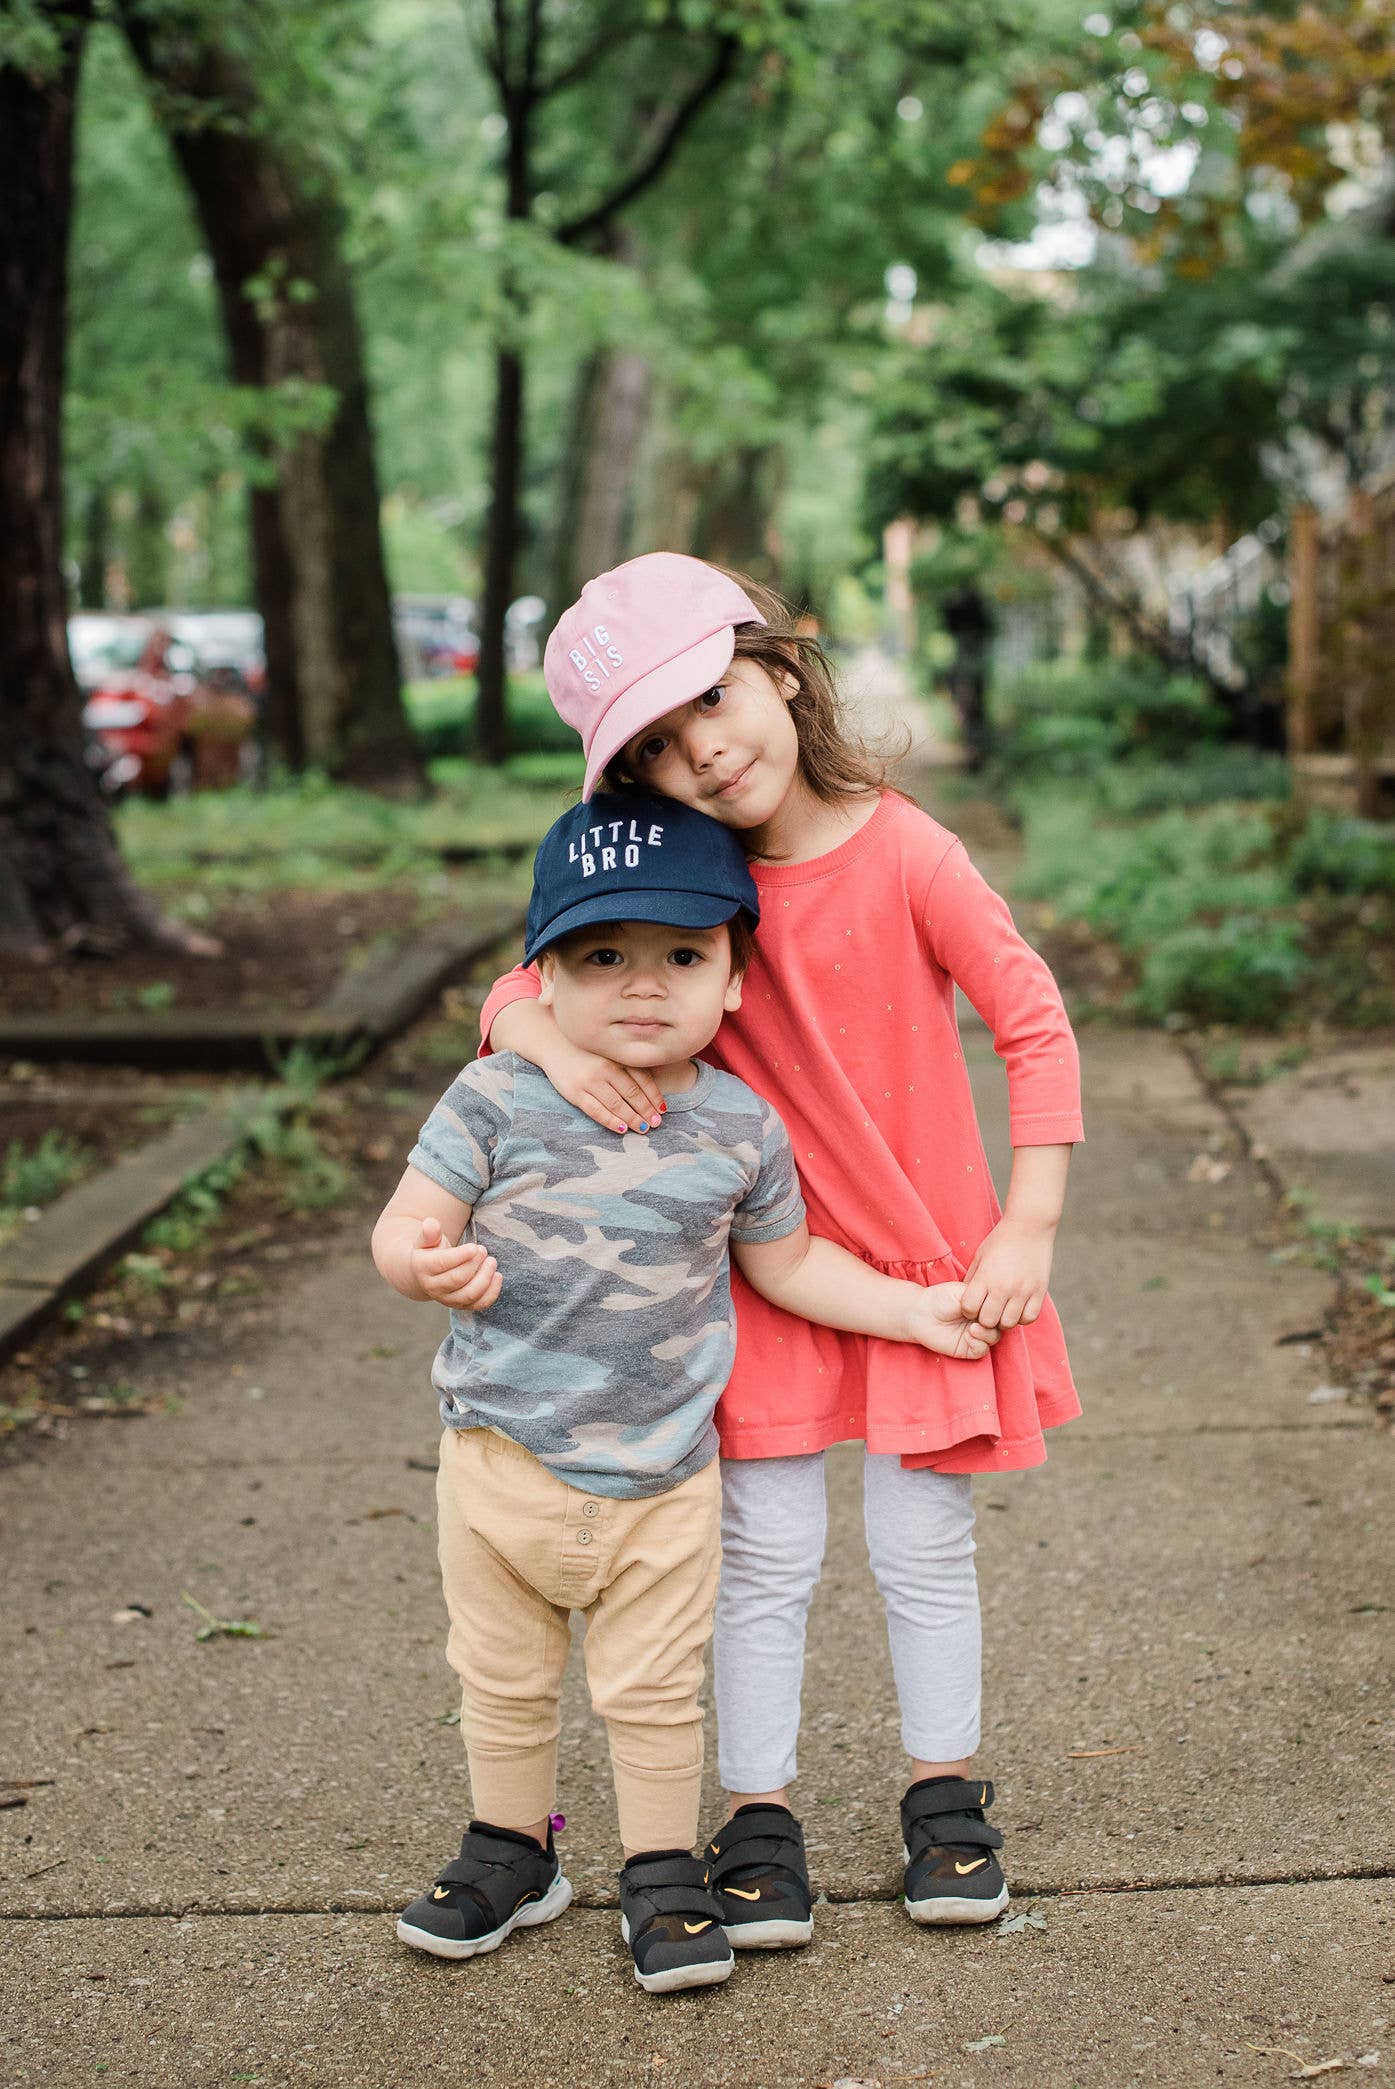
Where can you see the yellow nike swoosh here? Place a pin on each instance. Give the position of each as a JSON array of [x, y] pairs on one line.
[[962, 1868], [696, 1928], [441, 1893], [741, 1894]]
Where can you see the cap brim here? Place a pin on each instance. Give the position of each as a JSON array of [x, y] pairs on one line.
[[670, 909], [676, 682]]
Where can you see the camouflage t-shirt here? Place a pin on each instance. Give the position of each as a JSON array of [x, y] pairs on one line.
[[614, 1334]]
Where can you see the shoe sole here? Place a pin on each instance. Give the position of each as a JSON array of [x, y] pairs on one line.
[[555, 1902], [942, 1907], [782, 1934], [705, 1973]]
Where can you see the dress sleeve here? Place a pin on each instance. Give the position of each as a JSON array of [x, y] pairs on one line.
[[970, 933], [522, 984]]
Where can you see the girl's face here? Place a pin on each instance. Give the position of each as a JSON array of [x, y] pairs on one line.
[[732, 752]]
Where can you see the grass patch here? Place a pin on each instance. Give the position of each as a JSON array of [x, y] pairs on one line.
[[312, 834], [36, 1174]]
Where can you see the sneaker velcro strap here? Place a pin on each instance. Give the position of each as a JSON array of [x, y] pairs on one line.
[[670, 1886], [951, 1813], [484, 1851], [769, 1836]]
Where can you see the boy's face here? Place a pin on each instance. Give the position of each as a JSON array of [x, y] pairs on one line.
[[640, 993]]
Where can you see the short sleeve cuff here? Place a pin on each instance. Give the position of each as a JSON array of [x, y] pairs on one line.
[[428, 1163], [778, 1225], [1051, 1128]]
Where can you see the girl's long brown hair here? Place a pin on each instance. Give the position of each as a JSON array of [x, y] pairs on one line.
[[835, 761]]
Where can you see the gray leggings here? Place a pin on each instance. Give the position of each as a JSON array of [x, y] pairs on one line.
[[920, 1542]]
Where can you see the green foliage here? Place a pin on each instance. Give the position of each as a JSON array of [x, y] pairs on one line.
[[36, 1175], [1227, 912], [443, 718], [1243, 970], [1331, 853], [1065, 716], [315, 834], [1207, 775]]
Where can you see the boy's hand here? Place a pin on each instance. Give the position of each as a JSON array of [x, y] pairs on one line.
[[1007, 1279], [618, 1098], [464, 1277], [939, 1320]]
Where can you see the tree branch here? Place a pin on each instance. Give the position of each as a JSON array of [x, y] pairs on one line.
[[591, 55], [532, 46], [1154, 638], [649, 169]]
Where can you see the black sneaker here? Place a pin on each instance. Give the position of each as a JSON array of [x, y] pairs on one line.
[[952, 1874], [672, 1923], [761, 1879], [501, 1881]]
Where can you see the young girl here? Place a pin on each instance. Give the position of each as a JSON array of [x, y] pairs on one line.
[[683, 681]]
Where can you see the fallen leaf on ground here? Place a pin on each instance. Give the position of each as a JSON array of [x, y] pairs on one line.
[[1306, 2070], [1028, 1919], [1206, 1168]]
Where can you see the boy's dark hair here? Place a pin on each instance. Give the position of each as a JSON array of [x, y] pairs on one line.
[[740, 936]]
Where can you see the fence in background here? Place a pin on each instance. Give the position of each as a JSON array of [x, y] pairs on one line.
[[1341, 674]]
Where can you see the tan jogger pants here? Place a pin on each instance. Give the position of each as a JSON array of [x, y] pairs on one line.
[[520, 1550]]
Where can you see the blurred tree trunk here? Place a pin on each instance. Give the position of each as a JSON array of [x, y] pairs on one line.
[[968, 619], [501, 552], [516, 57], [734, 512], [275, 233], [610, 413], [609, 417], [61, 873], [147, 559], [96, 549]]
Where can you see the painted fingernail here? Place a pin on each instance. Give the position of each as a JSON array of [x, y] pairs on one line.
[[618, 1127], [655, 1122]]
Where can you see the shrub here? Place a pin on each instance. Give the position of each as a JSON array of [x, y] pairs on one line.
[[442, 716], [1064, 716], [1245, 970], [37, 1176], [1331, 853], [1208, 776]]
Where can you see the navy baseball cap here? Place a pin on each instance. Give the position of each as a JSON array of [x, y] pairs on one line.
[[636, 859]]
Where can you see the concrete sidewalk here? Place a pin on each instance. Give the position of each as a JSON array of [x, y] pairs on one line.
[[1188, 1711]]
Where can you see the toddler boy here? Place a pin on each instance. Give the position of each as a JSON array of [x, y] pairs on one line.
[[591, 1335]]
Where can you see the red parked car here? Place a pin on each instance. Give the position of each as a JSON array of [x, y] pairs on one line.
[[162, 719]]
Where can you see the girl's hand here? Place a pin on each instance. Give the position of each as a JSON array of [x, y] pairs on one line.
[[464, 1277], [938, 1321], [1007, 1279], [618, 1098]]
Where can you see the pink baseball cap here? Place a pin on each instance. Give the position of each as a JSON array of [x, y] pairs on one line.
[[642, 639]]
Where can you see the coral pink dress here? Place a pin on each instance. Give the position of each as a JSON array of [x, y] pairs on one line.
[[848, 1026]]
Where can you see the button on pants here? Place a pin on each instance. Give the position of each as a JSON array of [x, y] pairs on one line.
[[520, 1550]]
